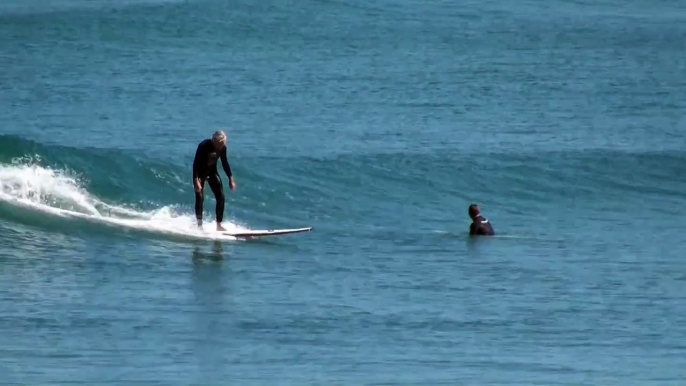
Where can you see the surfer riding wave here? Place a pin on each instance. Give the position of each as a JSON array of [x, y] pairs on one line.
[[205, 169]]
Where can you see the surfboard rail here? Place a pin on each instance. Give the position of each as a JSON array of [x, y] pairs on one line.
[[265, 232]]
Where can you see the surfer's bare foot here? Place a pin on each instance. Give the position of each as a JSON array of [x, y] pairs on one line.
[[199, 223], [220, 228]]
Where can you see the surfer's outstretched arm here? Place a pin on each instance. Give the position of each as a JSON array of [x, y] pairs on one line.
[[225, 164], [227, 169], [197, 162]]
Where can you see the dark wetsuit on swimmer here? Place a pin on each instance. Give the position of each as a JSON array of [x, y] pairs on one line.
[[480, 226], [205, 168]]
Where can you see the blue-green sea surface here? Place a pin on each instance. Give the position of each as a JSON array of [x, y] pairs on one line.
[[377, 123]]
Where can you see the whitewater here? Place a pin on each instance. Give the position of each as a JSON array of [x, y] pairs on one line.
[[50, 192]]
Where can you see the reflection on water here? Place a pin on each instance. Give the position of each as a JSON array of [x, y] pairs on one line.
[[212, 305], [214, 255]]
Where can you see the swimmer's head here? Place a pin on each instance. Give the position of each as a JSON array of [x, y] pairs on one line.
[[473, 210], [219, 139]]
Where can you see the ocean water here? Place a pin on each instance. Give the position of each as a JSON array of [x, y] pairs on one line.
[[377, 123]]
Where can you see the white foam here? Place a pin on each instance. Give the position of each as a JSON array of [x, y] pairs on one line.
[[58, 193]]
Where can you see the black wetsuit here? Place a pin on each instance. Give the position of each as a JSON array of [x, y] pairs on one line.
[[481, 227], [205, 168]]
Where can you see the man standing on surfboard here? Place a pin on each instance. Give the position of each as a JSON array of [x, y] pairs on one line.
[[480, 225], [205, 168]]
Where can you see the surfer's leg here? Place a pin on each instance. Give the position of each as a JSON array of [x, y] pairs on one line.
[[216, 185], [199, 198], [198, 206]]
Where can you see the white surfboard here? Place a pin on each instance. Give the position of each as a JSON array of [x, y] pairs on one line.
[[265, 232]]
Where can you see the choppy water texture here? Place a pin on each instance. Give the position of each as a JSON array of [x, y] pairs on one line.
[[377, 123]]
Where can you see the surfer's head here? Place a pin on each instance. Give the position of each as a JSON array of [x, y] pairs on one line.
[[219, 139], [473, 210]]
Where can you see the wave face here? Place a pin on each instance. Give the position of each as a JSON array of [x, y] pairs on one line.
[[92, 187], [568, 184]]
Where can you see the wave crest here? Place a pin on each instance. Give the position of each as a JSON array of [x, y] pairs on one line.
[[26, 185]]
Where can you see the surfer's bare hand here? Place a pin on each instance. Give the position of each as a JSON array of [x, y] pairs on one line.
[[232, 184], [197, 185]]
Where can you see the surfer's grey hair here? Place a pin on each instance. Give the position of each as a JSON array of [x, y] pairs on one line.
[[219, 136]]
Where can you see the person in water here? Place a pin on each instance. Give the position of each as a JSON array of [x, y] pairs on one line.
[[205, 169], [480, 225]]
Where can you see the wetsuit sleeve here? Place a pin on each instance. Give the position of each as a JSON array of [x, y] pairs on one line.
[[197, 161], [225, 163], [472, 229]]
